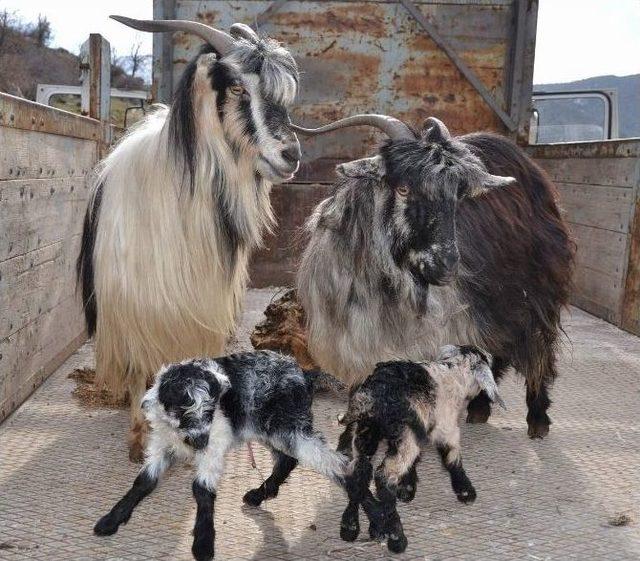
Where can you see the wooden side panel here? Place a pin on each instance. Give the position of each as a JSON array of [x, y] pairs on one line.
[[598, 186], [43, 196]]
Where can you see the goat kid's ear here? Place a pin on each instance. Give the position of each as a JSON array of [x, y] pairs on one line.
[[434, 130], [366, 167], [486, 381], [149, 398], [488, 181]]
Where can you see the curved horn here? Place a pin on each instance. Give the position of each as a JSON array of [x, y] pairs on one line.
[[219, 40], [243, 31], [392, 127]]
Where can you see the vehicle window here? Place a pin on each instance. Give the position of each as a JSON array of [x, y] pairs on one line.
[[570, 117]]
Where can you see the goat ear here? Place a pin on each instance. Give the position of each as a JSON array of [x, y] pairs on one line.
[[488, 181], [486, 381], [366, 167], [218, 382], [434, 130]]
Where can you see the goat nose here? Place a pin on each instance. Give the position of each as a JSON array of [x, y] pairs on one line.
[[449, 260], [291, 154]]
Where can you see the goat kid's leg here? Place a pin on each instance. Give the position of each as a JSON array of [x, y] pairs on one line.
[[408, 484], [448, 444], [143, 485], [210, 466], [402, 454], [479, 408], [139, 426], [359, 474], [538, 400], [283, 466]]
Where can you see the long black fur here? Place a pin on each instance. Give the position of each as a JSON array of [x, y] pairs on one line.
[[84, 264]]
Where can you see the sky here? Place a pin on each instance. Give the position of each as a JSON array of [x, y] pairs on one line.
[[576, 38]]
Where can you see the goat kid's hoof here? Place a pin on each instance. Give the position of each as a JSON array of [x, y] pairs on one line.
[[538, 428], [202, 549], [397, 544], [406, 493], [253, 497], [467, 495], [349, 531], [106, 526], [376, 532]]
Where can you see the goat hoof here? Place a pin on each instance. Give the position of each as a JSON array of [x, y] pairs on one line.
[[467, 495], [397, 543], [539, 428], [202, 548], [376, 532], [349, 531], [253, 497], [106, 526], [406, 493]]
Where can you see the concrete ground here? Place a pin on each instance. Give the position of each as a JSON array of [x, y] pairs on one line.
[[574, 495]]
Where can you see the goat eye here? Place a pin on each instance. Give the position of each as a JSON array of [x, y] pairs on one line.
[[237, 89], [402, 190]]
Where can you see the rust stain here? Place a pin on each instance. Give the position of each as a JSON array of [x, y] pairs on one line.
[[210, 17], [357, 18]]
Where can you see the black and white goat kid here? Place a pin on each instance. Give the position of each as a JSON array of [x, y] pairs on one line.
[[199, 409], [406, 404], [179, 205]]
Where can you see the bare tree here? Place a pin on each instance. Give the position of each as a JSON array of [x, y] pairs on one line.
[[135, 59], [5, 26], [41, 31]]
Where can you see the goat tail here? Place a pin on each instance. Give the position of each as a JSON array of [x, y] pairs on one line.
[[312, 451], [85, 279], [319, 381]]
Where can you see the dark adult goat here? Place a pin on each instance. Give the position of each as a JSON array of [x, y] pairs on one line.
[[438, 240]]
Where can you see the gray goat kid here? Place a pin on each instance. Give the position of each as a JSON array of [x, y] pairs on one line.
[[199, 409], [406, 404]]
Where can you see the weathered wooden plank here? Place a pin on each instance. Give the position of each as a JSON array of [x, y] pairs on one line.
[[584, 303], [36, 155], [18, 113], [28, 356], [597, 206], [35, 282], [600, 289], [600, 250], [621, 148], [35, 213], [631, 297], [620, 172]]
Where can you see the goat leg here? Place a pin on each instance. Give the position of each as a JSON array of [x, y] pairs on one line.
[[460, 483], [283, 466], [204, 532], [143, 485]]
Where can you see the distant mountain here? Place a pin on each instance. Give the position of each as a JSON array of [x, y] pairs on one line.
[[628, 88]]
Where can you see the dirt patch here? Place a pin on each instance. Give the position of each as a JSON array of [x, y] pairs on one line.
[[89, 395], [620, 519], [283, 330]]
